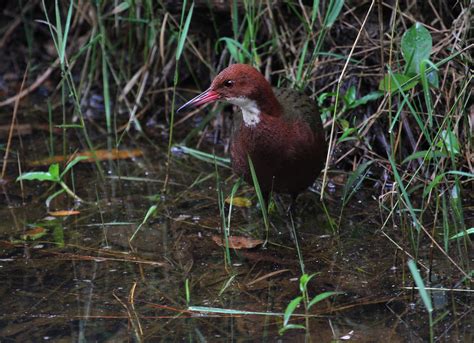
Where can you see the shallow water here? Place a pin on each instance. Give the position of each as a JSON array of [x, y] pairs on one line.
[[83, 280]]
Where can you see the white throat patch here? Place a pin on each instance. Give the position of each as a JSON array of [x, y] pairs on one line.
[[250, 110]]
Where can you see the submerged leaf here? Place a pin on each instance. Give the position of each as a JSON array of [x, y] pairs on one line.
[[238, 242], [34, 234], [291, 326], [90, 156], [395, 81], [239, 202], [64, 213]]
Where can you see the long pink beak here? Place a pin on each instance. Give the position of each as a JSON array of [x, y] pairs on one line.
[[205, 97]]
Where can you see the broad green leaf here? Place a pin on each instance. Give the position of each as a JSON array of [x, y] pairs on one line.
[[304, 279], [365, 99], [290, 309], [449, 142], [321, 297], [395, 81], [344, 124], [54, 171], [350, 96], [416, 46], [39, 176], [51, 175]]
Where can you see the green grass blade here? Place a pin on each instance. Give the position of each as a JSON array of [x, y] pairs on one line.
[[66, 29], [204, 156], [184, 33], [73, 163], [334, 8], [425, 297], [204, 309], [149, 213], [260, 198]]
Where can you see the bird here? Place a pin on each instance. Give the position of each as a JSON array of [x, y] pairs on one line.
[[279, 129]]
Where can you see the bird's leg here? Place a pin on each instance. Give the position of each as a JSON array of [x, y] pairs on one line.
[[292, 208], [291, 213], [268, 198]]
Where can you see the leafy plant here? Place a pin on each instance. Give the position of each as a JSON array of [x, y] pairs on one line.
[[50, 228], [53, 175], [416, 46], [349, 102], [150, 212], [307, 301]]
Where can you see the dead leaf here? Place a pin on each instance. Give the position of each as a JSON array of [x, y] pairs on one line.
[[64, 213], [239, 202], [238, 242], [340, 179], [25, 129], [34, 233], [100, 155]]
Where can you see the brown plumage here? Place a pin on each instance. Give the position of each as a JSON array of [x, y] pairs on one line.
[[280, 129]]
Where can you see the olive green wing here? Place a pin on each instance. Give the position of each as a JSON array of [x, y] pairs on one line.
[[297, 106]]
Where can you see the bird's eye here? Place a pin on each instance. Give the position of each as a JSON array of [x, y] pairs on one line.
[[229, 83]]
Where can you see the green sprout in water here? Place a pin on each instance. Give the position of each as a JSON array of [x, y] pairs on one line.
[[307, 301], [53, 175]]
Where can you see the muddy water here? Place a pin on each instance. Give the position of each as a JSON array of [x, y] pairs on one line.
[[83, 280]]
